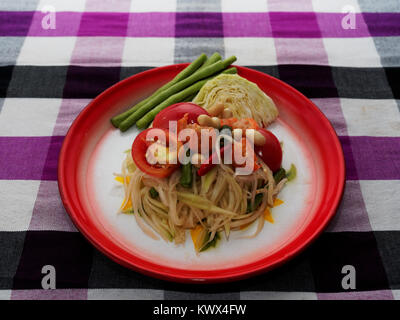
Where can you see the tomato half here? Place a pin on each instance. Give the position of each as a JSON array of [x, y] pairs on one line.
[[176, 112], [271, 151], [140, 147]]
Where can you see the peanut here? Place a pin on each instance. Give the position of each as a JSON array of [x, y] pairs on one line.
[[207, 121], [204, 120], [227, 113], [216, 122], [257, 137]]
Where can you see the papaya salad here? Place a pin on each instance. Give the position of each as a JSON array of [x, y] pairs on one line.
[[206, 165]]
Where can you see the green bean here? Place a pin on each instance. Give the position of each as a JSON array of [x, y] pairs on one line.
[[227, 62], [190, 98], [212, 59], [257, 202], [178, 97], [139, 113], [186, 176], [279, 175], [177, 87], [190, 69], [116, 120]]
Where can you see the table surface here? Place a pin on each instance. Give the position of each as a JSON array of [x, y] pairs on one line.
[[344, 55]]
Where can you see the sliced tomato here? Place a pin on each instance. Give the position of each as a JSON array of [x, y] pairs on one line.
[[176, 112], [271, 151], [139, 151]]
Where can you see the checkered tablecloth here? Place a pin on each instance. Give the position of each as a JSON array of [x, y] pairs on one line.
[[344, 55]]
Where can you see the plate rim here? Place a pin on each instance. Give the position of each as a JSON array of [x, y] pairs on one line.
[[197, 276]]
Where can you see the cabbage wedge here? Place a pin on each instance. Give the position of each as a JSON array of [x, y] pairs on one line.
[[244, 98]]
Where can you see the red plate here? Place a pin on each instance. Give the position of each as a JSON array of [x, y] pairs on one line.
[[298, 112]]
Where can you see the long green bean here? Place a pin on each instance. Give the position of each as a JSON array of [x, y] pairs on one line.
[[178, 97], [190, 69], [179, 86], [212, 59], [186, 178]]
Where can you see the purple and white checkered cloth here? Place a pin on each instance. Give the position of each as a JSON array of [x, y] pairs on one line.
[[344, 55]]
